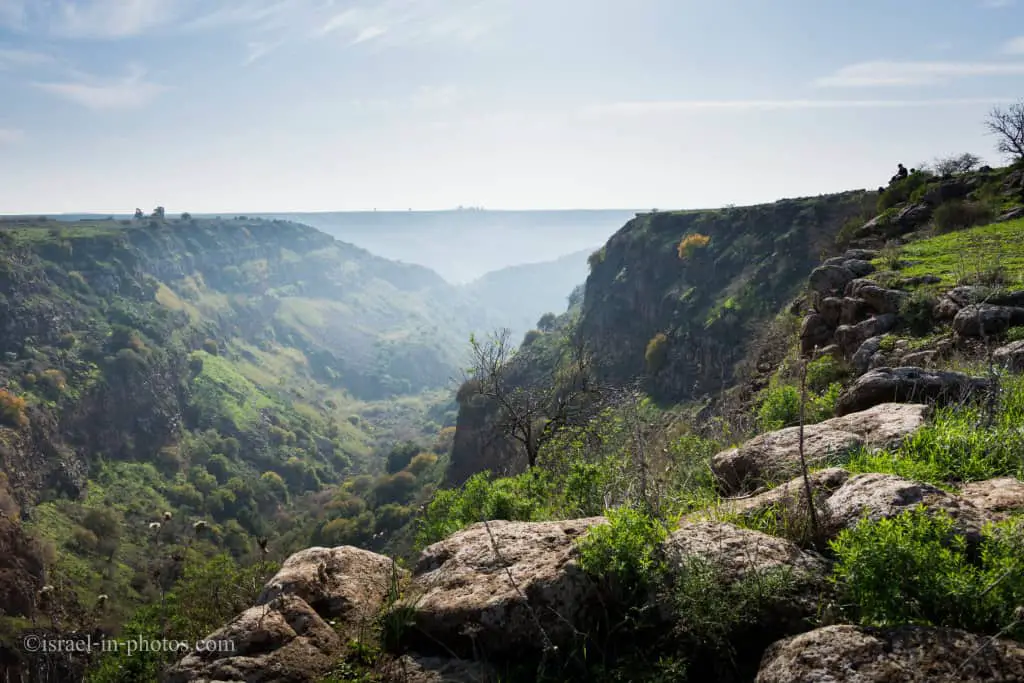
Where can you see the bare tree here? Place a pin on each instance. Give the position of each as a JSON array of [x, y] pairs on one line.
[[1008, 127], [956, 164], [531, 410]]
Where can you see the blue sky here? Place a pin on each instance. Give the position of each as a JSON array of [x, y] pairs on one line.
[[289, 105]]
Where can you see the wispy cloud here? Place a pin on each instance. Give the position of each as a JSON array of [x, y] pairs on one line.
[[676, 106], [867, 74], [11, 59], [130, 92], [403, 22], [1014, 46], [259, 49], [10, 136]]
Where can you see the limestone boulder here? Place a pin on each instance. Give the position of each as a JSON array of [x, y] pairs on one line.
[[910, 654], [500, 589], [775, 456], [888, 385]]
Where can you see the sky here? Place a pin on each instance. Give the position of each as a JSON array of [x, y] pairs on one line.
[[321, 105]]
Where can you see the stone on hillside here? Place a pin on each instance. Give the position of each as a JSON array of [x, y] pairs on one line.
[[850, 337], [912, 217], [814, 333], [859, 268], [830, 309], [920, 359], [997, 497], [907, 654], [1011, 356], [861, 360], [1011, 215], [853, 310], [882, 300], [775, 456], [883, 496], [283, 641], [829, 280], [834, 261], [889, 385], [860, 254], [345, 583], [978, 319], [466, 600], [854, 286], [946, 191], [416, 669], [786, 496]]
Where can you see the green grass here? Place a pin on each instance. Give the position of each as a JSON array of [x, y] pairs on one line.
[[962, 256], [220, 389]]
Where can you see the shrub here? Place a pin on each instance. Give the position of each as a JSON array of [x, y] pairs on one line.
[[779, 406], [54, 381], [78, 282], [530, 337], [823, 371], [547, 322], [596, 258], [400, 456], [625, 552], [914, 568], [421, 463], [916, 312], [195, 365], [901, 190], [960, 215], [67, 340], [691, 243], [956, 164], [210, 346], [394, 488], [12, 410], [656, 353]]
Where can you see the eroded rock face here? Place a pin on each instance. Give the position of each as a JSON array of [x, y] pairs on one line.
[[886, 385], [739, 552], [986, 319], [343, 583], [829, 280], [814, 333], [850, 337], [1010, 356], [785, 496], [775, 456], [467, 600], [283, 641], [997, 497], [883, 496], [848, 654], [286, 636]]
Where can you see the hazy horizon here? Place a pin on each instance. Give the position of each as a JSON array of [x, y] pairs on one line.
[[338, 105]]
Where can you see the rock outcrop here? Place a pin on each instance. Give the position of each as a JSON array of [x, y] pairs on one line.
[[997, 497], [848, 654], [887, 385], [287, 636], [775, 456], [1010, 356], [501, 589], [979, 320]]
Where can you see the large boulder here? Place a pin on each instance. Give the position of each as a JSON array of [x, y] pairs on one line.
[[887, 385], [850, 337], [996, 497], [830, 308], [1011, 356], [283, 641], [344, 583], [882, 300], [882, 496], [978, 320], [785, 497], [909, 654], [829, 280], [500, 589], [286, 636], [865, 354], [775, 456], [814, 333]]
